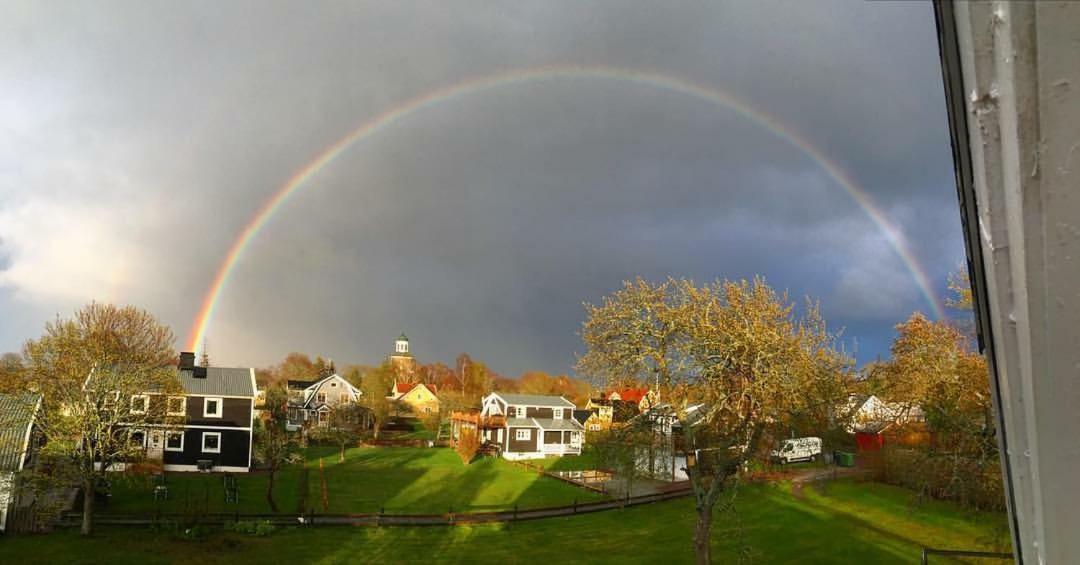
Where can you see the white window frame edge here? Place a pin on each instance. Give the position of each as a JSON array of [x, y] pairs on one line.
[[146, 403], [202, 442], [181, 434], [220, 405], [519, 431]]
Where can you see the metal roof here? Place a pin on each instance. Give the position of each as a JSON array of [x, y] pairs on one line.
[[520, 423], [549, 424], [222, 381], [16, 415], [535, 400]]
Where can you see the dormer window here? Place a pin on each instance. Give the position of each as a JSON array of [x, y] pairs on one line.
[[519, 411], [557, 413]]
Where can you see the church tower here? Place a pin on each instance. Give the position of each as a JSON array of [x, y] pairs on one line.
[[402, 360]]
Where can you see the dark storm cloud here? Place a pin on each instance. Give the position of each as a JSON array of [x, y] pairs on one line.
[[480, 224]]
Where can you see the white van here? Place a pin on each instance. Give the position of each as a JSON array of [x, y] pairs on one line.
[[797, 449]]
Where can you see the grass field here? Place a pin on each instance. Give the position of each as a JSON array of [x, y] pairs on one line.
[[398, 480], [409, 480], [848, 522]]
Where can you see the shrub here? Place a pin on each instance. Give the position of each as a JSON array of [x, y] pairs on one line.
[[251, 527], [468, 444], [970, 481]]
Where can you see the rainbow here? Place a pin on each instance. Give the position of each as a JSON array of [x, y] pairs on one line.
[[476, 85]]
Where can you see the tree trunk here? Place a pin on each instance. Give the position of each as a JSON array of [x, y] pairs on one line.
[[701, 535], [341, 456], [88, 506], [270, 491]]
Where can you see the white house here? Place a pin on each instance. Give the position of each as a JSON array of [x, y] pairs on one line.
[[310, 403], [530, 426]]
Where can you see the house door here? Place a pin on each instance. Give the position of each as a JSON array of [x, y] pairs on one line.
[[155, 446]]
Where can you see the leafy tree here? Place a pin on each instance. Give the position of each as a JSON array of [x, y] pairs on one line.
[[104, 374], [345, 421], [297, 367], [376, 387], [739, 348], [274, 446], [13, 374]]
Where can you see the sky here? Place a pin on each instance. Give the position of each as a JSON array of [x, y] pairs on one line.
[[137, 141]]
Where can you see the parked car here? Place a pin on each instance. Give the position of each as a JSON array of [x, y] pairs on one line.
[[797, 449]]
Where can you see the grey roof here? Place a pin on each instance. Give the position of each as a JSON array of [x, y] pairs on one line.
[[536, 400], [16, 415], [222, 381], [520, 423], [548, 424]]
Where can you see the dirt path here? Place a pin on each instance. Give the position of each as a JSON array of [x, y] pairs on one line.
[[803, 477]]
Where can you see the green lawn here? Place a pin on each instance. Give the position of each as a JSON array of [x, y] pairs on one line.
[[205, 492], [850, 522], [417, 480]]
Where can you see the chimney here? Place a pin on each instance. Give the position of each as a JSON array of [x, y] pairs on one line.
[[187, 360]]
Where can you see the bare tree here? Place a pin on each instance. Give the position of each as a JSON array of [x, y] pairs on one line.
[[106, 377], [274, 447]]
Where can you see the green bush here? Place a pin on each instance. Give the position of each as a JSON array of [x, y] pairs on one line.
[[973, 482], [251, 527]]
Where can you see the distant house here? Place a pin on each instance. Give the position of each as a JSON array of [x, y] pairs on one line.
[[310, 402], [610, 411], [528, 426], [644, 398], [18, 413], [870, 412], [418, 398]]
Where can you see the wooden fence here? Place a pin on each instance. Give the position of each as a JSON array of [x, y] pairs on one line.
[[378, 519]]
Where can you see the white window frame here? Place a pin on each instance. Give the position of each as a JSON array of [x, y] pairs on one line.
[[557, 413], [207, 434], [131, 436], [146, 403], [343, 397], [220, 406], [320, 397], [519, 411], [522, 434], [183, 406], [181, 434]]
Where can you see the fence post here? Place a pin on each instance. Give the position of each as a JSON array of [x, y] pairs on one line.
[[515, 511], [575, 505], [925, 557]]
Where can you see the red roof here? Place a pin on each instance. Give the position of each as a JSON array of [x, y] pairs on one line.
[[633, 394], [404, 388]]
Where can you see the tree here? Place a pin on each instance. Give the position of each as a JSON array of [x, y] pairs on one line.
[[13, 374], [274, 446], [468, 445], [934, 368], [376, 387], [740, 348], [343, 426], [297, 367], [105, 376]]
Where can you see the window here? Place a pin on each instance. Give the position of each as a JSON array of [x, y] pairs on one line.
[[174, 441], [137, 438], [139, 403], [557, 413], [344, 398], [177, 406], [211, 442], [212, 407], [321, 397], [522, 435], [519, 411]]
